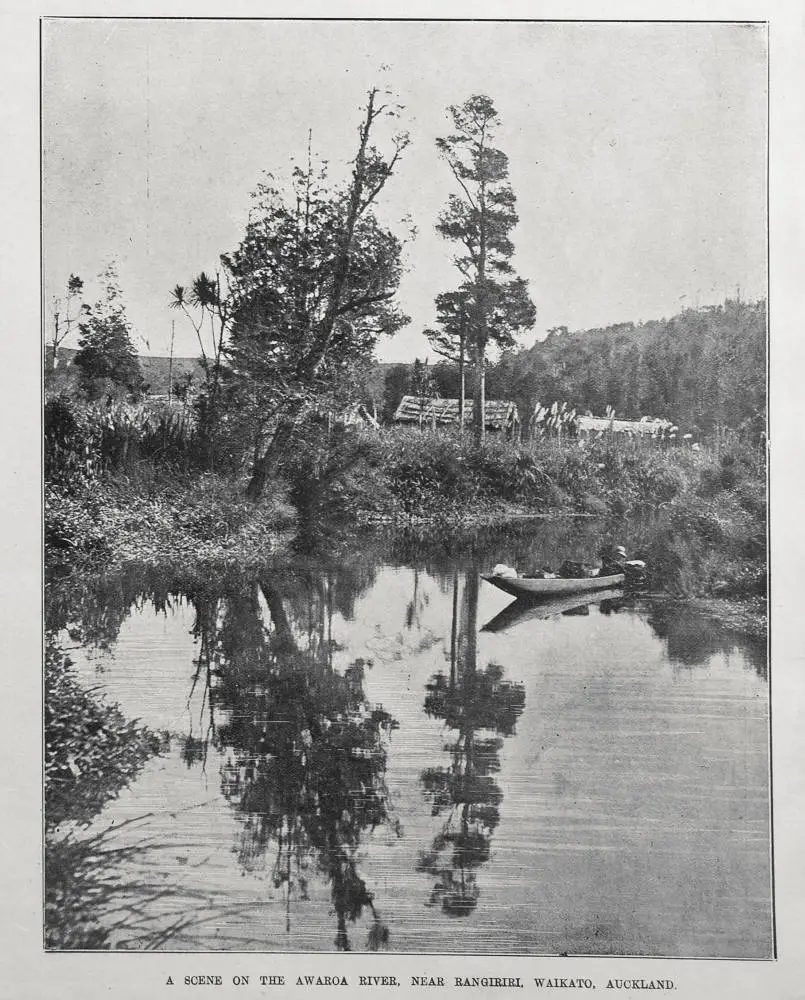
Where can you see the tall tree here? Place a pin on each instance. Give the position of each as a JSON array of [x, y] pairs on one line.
[[312, 286], [480, 220], [106, 355]]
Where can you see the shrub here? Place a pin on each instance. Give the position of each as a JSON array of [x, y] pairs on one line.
[[127, 432], [733, 468], [71, 524], [70, 444], [91, 750], [665, 484], [591, 504], [211, 508], [751, 495], [426, 471]]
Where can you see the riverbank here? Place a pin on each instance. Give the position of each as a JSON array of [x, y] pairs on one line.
[[697, 518]]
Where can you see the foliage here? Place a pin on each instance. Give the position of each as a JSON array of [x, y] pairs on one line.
[[71, 524], [703, 369], [422, 384], [334, 476], [161, 515], [711, 538], [70, 443], [425, 471], [128, 432], [453, 314], [83, 441], [91, 750], [312, 286], [396, 383], [106, 357]]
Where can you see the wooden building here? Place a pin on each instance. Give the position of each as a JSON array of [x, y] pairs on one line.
[[645, 427]]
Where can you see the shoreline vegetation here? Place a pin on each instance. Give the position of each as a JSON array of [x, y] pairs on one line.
[[698, 518]]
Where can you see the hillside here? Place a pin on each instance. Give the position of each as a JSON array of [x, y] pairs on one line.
[[155, 370], [702, 368]]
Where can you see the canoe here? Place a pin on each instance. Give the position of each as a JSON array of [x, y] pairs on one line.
[[535, 609], [523, 586]]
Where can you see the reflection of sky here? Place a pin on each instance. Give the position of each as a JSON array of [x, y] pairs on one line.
[[634, 811]]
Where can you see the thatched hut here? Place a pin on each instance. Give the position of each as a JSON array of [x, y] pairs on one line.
[[499, 414]]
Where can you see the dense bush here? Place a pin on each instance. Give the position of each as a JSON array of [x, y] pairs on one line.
[[128, 432], [731, 471], [122, 481], [429, 469]]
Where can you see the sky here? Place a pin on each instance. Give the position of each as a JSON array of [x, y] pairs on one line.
[[637, 153]]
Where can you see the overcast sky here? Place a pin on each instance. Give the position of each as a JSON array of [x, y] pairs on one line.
[[637, 153]]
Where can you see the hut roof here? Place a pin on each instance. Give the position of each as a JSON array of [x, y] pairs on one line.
[[647, 425], [498, 413]]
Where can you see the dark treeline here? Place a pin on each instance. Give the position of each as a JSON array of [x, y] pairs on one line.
[[703, 369]]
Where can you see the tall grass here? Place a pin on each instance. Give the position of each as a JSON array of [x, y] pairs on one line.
[[609, 474], [86, 440]]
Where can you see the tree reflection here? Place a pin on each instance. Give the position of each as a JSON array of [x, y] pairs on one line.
[[480, 707], [306, 752], [691, 639]]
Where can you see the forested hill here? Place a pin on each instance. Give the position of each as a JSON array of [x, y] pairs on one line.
[[701, 369]]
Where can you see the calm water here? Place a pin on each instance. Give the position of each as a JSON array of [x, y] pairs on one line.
[[377, 751]]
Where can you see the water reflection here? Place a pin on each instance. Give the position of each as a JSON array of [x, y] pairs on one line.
[[472, 702], [690, 638], [524, 610], [305, 751], [288, 675]]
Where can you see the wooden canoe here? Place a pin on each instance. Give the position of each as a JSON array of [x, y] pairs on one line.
[[523, 586]]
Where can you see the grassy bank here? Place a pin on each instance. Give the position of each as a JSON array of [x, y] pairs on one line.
[[167, 517], [700, 514]]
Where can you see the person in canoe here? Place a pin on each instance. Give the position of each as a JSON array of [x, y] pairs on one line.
[[613, 560]]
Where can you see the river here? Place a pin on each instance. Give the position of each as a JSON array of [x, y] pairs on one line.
[[375, 750]]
